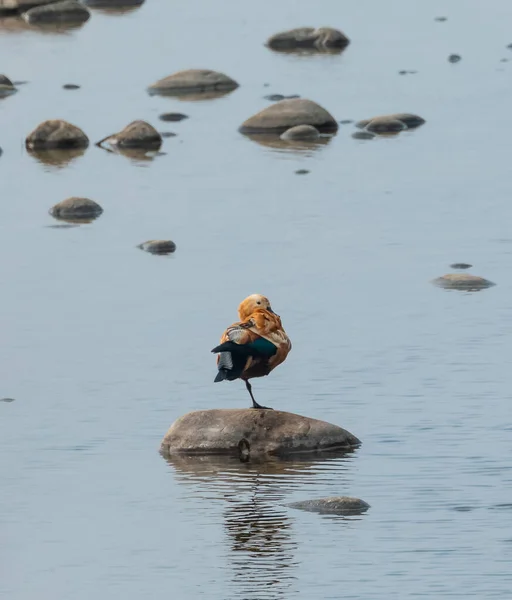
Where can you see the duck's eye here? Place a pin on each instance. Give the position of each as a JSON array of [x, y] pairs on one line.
[[258, 302]]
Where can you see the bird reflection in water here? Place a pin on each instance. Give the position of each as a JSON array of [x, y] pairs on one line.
[[262, 542]]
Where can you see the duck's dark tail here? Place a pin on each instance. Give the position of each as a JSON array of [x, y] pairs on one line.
[[221, 375]]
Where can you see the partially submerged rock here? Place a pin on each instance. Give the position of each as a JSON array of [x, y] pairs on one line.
[[306, 133], [71, 86], [321, 39], [278, 97], [460, 266], [6, 86], [335, 505], [56, 134], [363, 135], [279, 117], [408, 119], [172, 117], [76, 210], [250, 432], [137, 134], [68, 11], [454, 58], [463, 282], [385, 125], [193, 81], [158, 246]]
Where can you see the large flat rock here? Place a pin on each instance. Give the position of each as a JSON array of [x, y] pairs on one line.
[[250, 432]]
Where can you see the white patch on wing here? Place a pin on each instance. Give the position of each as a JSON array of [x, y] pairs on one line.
[[225, 361], [235, 334]]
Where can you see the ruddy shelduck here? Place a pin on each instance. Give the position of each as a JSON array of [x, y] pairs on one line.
[[254, 346]]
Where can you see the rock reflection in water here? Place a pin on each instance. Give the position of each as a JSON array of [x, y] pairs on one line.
[[262, 545]]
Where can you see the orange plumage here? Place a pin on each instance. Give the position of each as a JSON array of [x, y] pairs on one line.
[[253, 346]]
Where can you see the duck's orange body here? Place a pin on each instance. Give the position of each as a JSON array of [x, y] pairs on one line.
[[253, 346]]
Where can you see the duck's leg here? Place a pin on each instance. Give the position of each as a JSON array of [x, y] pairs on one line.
[[254, 403]]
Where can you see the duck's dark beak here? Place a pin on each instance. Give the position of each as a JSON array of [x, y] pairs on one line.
[[271, 311]]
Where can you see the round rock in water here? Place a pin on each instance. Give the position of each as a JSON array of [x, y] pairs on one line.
[[335, 505], [461, 266], [76, 209], [71, 86], [137, 134], [463, 282], [56, 134], [280, 116], [249, 432], [301, 172], [408, 119], [172, 117], [454, 58], [158, 246], [193, 81], [68, 11], [303, 133], [7, 400], [363, 135], [385, 125], [321, 39]]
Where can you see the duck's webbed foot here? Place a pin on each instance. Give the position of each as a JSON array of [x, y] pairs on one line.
[[254, 403]]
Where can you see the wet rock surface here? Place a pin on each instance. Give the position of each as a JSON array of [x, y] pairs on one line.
[[250, 432], [319, 39], [301, 133], [334, 505], [68, 11], [158, 246], [193, 81], [385, 125], [454, 58], [7, 6], [6, 86], [56, 134], [463, 282], [285, 114], [76, 210]]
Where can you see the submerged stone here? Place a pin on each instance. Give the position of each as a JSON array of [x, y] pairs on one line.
[[158, 246], [278, 97], [454, 58], [193, 81], [68, 11], [363, 135], [250, 432], [282, 115], [172, 117], [71, 86], [408, 119], [335, 505], [6, 86], [385, 125], [306, 133], [463, 282], [56, 134], [460, 266], [320, 39]]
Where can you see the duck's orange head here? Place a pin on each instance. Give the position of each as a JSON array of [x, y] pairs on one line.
[[253, 303]]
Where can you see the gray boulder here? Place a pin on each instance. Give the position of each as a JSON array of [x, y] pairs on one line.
[[68, 11], [320, 39], [193, 81], [335, 505], [305, 133], [250, 432], [137, 134], [462, 281], [56, 134], [279, 117], [158, 246], [408, 119], [76, 210]]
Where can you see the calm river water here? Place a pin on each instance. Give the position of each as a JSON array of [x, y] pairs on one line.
[[103, 346]]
